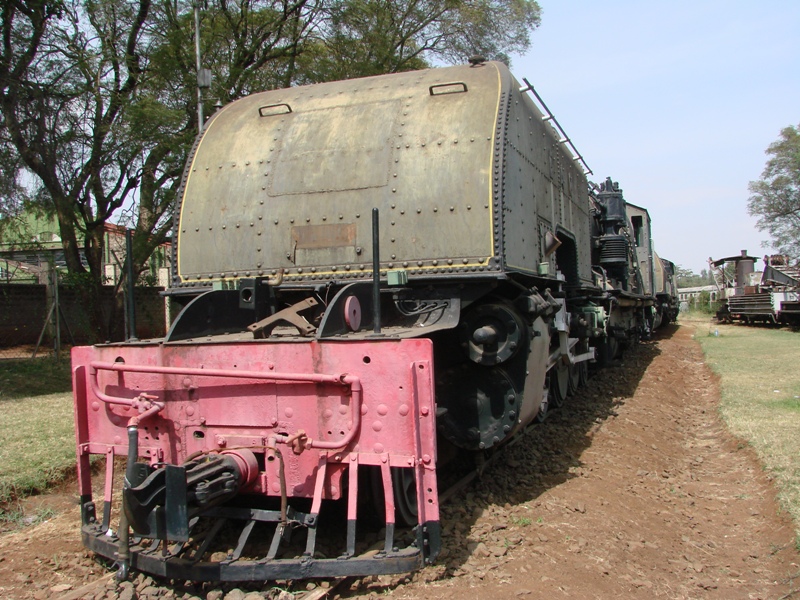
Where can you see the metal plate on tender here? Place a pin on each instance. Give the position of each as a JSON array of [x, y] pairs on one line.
[[324, 236]]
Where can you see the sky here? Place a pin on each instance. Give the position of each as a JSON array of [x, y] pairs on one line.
[[677, 101]]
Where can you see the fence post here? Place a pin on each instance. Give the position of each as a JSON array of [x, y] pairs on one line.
[[56, 315]]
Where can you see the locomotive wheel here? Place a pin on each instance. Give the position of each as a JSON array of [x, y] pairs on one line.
[[582, 367], [583, 373], [543, 409], [606, 351], [559, 384], [404, 486], [405, 496], [574, 378]]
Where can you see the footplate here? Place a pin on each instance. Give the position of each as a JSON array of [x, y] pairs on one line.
[[234, 449]]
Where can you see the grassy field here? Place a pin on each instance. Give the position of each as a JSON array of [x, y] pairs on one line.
[[38, 446], [759, 368]]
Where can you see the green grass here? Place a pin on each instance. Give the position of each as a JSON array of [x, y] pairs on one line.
[[38, 446], [34, 377], [38, 440], [760, 381]]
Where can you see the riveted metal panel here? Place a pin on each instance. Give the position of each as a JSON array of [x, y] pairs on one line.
[[545, 191], [418, 146]]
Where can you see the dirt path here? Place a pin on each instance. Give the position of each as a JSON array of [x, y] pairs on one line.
[[635, 491]]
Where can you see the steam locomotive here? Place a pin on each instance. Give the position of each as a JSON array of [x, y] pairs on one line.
[[771, 296], [376, 274]]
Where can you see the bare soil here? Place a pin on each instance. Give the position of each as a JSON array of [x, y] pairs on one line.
[[634, 489]]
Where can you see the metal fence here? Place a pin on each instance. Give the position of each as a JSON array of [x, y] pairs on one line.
[[31, 320], [40, 316]]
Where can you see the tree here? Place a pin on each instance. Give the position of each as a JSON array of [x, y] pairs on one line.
[[688, 278], [358, 38], [775, 198], [98, 100], [98, 106]]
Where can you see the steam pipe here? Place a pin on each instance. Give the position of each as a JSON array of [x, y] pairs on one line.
[[123, 546]]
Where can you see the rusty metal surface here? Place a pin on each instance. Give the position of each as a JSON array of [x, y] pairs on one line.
[[328, 408], [219, 396], [421, 156]]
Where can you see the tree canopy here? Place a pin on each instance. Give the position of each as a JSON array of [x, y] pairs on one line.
[[99, 102], [775, 198], [688, 278]]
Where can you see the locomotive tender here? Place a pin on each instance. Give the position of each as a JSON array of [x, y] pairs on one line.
[[376, 273]]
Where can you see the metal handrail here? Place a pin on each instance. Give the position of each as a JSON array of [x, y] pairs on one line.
[[551, 117]]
